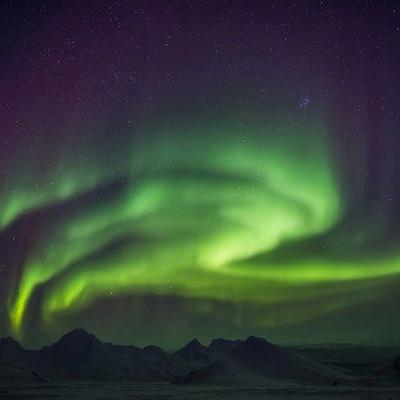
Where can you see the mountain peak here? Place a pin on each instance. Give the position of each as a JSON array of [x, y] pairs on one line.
[[221, 345], [9, 345], [10, 351], [154, 351], [75, 344], [78, 331], [256, 346], [193, 350], [78, 335], [194, 343], [256, 341], [193, 346], [9, 341]]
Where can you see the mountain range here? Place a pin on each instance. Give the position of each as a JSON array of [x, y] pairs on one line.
[[79, 355]]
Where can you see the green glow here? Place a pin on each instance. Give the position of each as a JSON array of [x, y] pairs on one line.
[[196, 205]]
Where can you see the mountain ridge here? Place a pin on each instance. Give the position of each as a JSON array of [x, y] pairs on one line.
[[80, 355]]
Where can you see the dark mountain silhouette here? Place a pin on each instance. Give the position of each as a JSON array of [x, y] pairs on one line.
[[223, 346], [194, 351], [267, 359], [10, 351], [258, 362], [154, 352], [79, 355], [18, 364]]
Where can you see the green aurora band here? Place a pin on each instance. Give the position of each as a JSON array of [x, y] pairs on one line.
[[195, 210]]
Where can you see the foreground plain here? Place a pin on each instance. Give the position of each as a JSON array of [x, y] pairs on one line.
[[161, 391]]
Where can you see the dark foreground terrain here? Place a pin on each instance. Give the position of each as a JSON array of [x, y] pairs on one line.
[[79, 366], [159, 391]]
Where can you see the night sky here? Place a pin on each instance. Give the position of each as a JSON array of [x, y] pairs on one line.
[[171, 170]]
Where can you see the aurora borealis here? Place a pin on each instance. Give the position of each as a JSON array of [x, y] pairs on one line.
[[174, 171]]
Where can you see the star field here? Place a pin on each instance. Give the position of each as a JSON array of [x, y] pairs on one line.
[[199, 169]]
